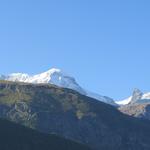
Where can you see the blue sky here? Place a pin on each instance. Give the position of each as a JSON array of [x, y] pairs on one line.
[[105, 44]]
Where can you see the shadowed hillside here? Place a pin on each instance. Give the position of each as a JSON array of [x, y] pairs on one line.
[[17, 137], [67, 113]]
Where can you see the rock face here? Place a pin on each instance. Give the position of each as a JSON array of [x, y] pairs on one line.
[[51, 109], [17, 137], [137, 95], [138, 106], [137, 110]]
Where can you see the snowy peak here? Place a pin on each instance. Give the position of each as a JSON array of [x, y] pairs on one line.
[[57, 77], [137, 97], [52, 76]]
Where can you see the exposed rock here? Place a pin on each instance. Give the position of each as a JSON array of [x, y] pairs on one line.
[[137, 95]]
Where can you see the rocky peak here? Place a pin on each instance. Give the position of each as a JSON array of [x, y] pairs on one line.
[[137, 95]]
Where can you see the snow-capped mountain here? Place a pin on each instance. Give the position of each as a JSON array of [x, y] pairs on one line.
[[56, 77], [137, 96], [52, 76]]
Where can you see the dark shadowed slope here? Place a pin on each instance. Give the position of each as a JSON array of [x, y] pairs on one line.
[[51, 109], [17, 137]]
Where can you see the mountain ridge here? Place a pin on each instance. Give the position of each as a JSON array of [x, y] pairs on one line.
[[136, 96], [57, 77], [137, 105], [65, 112]]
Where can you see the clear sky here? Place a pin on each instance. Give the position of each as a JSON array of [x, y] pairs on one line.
[[105, 44]]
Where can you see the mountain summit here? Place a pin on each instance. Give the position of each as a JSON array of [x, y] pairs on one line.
[[53, 76], [57, 77], [136, 97]]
